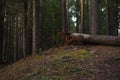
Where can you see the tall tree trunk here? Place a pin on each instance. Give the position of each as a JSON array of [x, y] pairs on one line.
[[36, 41], [67, 11], [93, 16], [7, 35], [116, 19], [65, 27], [2, 5], [107, 16], [17, 38], [34, 49], [25, 31], [109, 13], [5, 40], [12, 36], [82, 16], [90, 14], [21, 37], [38, 26], [112, 13]]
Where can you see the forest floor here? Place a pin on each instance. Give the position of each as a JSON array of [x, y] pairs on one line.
[[88, 62]]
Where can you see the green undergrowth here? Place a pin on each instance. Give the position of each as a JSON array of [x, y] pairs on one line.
[[64, 65]]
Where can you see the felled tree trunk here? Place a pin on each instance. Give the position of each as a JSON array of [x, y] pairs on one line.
[[92, 39]]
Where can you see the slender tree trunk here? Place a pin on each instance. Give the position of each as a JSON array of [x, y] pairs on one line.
[[65, 27], [17, 38], [67, 12], [5, 40], [12, 36], [93, 16], [29, 29], [116, 19], [36, 44], [38, 26], [112, 13], [90, 14], [21, 55], [25, 31], [34, 29], [107, 16], [1, 27], [82, 16], [8, 38]]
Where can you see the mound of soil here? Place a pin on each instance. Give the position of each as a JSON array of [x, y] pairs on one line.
[[88, 62]]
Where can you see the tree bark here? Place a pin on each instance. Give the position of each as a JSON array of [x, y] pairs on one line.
[[2, 5], [82, 16], [36, 33], [34, 29], [64, 5], [25, 29], [93, 39], [90, 13], [38, 25], [112, 16], [65, 28], [17, 38], [116, 24], [93, 16]]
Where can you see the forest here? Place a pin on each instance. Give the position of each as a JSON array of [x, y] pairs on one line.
[[65, 30]]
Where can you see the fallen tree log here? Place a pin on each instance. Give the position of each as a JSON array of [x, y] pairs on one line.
[[93, 39]]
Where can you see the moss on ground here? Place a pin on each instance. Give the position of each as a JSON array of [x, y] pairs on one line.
[[61, 65]]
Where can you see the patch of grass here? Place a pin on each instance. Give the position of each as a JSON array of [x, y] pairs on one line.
[[82, 54], [63, 64], [77, 54], [86, 72], [57, 63], [30, 76], [72, 69], [77, 70]]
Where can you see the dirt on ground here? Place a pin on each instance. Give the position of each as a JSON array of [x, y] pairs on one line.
[[107, 62], [85, 62]]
